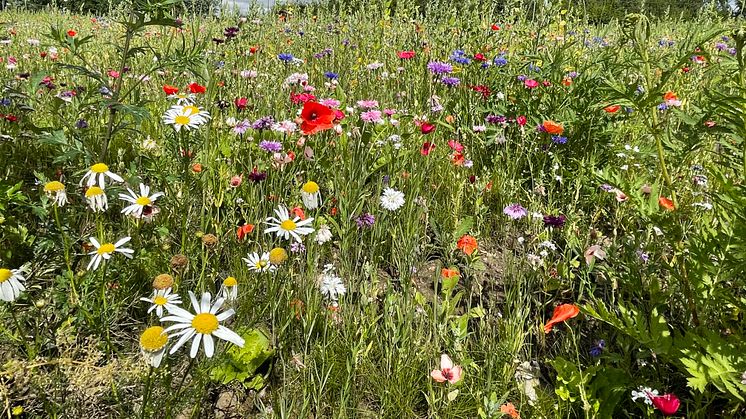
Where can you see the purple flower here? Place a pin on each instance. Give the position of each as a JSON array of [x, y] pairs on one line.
[[597, 348], [558, 139], [365, 220], [606, 187], [256, 176], [437, 67], [557, 221], [495, 119], [297, 247], [241, 127], [450, 81], [271, 146], [644, 256], [263, 123], [515, 211]]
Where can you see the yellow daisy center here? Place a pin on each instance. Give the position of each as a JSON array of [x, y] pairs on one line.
[[106, 248], [153, 339], [278, 255], [160, 300], [99, 168], [5, 275], [93, 191], [230, 282], [54, 186], [205, 323], [182, 120], [143, 200], [310, 187], [288, 225], [260, 264]]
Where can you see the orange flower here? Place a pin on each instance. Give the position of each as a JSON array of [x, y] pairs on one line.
[[197, 168], [449, 272], [244, 230], [561, 313], [510, 410], [669, 95], [298, 212], [612, 108], [666, 203], [553, 128], [467, 244]]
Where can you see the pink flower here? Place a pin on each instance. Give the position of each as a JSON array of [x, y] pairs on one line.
[[236, 181], [367, 104], [113, 74], [447, 372], [668, 404], [620, 196], [531, 83], [332, 103], [371, 116], [455, 145], [521, 120]]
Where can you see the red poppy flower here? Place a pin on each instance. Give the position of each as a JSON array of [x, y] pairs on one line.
[[427, 147], [495, 27], [241, 103], [561, 313], [253, 49], [668, 404], [666, 203], [484, 90], [71, 33], [612, 109], [467, 244], [553, 128], [316, 118], [244, 230], [197, 88], [427, 128], [531, 83], [405, 55], [479, 57], [170, 90]]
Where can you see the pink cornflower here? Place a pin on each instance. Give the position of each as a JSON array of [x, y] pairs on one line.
[[447, 372], [372, 116], [332, 103], [367, 104], [515, 211], [531, 83], [455, 145]]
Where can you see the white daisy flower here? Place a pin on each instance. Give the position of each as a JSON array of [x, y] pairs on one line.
[[183, 98], [97, 174], [202, 326], [11, 284], [185, 116], [162, 299], [104, 251], [97, 199], [391, 199], [259, 263], [153, 345], [285, 227], [331, 285], [311, 195], [139, 202], [56, 191], [229, 289]]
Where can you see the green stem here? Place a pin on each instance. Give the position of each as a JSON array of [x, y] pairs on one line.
[[146, 395], [66, 249], [29, 352], [178, 389]]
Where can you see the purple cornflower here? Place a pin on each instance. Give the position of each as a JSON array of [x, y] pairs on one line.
[[256, 176], [495, 119], [515, 211], [606, 187], [241, 127], [231, 32], [81, 124], [557, 221], [522, 77], [597, 348], [263, 123], [365, 220], [662, 107], [297, 247], [450, 81], [558, 139], [271, 146], [437, 67]]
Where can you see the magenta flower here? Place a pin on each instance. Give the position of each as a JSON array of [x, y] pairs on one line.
[[515, 211]]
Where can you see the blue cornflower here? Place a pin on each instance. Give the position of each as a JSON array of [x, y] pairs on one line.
[[451, 81], [501, 60], [331, 76], [285, 57], [5, 101], [437, 67], [534, 68], [558, 139], [597, 348]]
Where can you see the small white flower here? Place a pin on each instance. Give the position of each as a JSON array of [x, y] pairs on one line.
[[323, 234], [259, 263], [391, 199], [285, 227], [311, 195], [153, 345], [229, 289], [185, 116], [11, 284], [106, 250], [138, 202], [97, 174], [331, 286], [201, 326], [162, 299], [56, 191], [643, 393], [97, 199]]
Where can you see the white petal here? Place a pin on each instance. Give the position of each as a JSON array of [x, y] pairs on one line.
[[229, 335], [195, 345], [183, 340], [209, 344]]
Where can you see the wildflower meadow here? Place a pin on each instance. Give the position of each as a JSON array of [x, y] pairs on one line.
[[379, 210]]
